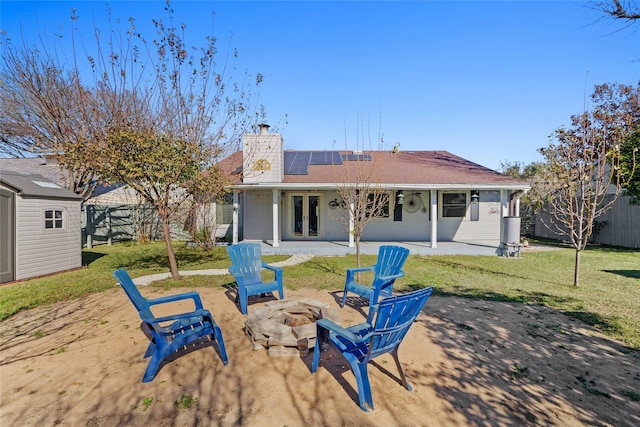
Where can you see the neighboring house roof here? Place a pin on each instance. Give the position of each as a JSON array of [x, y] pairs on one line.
[[435, 169], [37, 186], [47, 168], [38, 165]]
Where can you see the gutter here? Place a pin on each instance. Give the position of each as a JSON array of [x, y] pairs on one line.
[[412, 187]]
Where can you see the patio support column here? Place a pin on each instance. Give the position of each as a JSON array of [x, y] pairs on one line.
[[235, 217], [276, 218], [504, 210], [434, 218], [516, 210]]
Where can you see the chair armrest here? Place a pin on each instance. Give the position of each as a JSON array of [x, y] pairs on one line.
[[276, 270], [177, 316], [352, 271], [339, 330], [179, 297], [392, 277]]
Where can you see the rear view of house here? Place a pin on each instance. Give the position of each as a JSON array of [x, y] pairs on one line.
[[432, 195], [40, 228]]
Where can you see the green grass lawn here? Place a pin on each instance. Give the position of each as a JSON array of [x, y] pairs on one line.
[[608, 298]]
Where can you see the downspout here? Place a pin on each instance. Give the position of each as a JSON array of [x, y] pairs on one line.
[[235, 217]]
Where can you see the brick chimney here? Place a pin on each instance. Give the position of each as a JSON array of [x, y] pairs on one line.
[[262, 157]]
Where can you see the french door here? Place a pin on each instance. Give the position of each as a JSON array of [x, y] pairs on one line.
[[304, 216]]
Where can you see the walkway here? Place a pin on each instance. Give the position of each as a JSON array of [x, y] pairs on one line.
[[146, 280], [302, 251]]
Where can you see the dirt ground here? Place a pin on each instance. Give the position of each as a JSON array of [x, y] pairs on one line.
[[470, 363]]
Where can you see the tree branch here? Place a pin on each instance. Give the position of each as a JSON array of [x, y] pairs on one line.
[[620, 11]]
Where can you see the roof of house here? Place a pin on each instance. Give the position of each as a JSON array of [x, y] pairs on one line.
[[39, 165], [407, 168], [34, 185]]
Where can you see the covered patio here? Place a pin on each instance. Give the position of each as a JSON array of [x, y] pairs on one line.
[[340, 248]]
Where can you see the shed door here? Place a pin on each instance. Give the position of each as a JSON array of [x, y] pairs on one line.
[[7, 227]]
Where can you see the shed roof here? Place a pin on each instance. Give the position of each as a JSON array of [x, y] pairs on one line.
[[37, 186]]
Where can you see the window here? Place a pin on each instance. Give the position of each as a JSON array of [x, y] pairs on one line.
[[378, 205], [53, 219], [454, 205]]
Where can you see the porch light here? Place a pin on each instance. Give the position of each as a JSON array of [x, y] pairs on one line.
[[399, 198], [475, 197]]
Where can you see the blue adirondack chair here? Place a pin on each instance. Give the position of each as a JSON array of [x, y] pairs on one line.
[[363, 342], [247, 265], [170, 334], [387, 270]]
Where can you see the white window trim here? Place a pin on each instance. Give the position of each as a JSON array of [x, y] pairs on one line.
[[441, 205], [63, 212]]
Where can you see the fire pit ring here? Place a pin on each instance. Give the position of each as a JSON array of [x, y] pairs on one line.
[[287, 327]]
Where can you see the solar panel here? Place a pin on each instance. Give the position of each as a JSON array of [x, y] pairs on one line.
[[325, 158], [297, 162]]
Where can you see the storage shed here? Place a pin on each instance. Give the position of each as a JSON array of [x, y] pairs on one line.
[[40, 231]]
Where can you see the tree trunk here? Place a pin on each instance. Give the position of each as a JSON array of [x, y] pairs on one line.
[[357, 242], [175, 275], [576, 274]]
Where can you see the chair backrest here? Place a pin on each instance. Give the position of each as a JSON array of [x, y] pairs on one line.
[[390, 260], [394, 317], [246, 259], [140, 303]]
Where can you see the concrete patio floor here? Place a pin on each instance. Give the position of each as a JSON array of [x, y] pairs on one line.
[[340, 248]]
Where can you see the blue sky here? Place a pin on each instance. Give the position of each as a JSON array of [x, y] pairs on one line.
[[488, 81]]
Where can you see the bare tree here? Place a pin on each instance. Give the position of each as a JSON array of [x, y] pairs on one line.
[[158, 115], [363, 197], [46, 109], [580, 174]]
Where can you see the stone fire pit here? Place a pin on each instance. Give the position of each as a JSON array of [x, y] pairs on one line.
[[287, 327]]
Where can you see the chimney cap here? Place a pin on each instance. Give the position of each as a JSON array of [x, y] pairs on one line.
[[264, 128]]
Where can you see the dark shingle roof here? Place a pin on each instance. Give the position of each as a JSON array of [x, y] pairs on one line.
[[424, 168]]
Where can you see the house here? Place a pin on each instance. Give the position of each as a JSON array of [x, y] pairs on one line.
[[433, 195], [39, 227]]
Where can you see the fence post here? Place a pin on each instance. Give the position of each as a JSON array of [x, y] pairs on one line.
[[109, 234]]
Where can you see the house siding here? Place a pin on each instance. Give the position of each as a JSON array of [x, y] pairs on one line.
[[258, 215], [486, 228], [414, 226], [42, 251]]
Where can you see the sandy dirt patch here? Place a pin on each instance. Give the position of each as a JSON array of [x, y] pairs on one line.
[[470, 363]]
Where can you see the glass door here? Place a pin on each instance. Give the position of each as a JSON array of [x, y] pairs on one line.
[[305, 215]]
